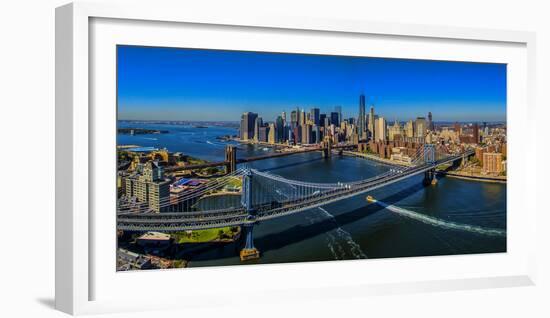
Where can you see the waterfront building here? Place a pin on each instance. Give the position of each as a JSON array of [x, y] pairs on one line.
[[380, 129], [247, 125], [272, 137], [420, 124], [297, 135], [492, 162], [361, 118], [149, 186], [279, 129], [257, 124], [479, 155], [283, 115], [264, 133]]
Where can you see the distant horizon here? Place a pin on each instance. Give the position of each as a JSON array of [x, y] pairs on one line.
[[238, 121], [156, 83]]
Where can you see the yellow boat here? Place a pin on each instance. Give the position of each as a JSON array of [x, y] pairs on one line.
[[370, 199]]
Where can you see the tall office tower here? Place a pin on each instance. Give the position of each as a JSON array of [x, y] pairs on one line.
[[314, 115], [247, 125], [280, 129], [316, 134], [420, 124], [361, 118], [263, 133], [283, 115], [322, 118], [306, 134], [334, 119], [431, 125], [380, 129], [371, 123], [272, 135], [303, 118], [294, 118], [257, 124], [409, 129], [338, 109], [476, 133]]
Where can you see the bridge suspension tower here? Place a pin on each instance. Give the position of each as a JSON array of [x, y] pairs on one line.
[[429, 158], [249, 251]]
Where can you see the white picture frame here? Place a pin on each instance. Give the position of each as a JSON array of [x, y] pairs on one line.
[[77, 250]]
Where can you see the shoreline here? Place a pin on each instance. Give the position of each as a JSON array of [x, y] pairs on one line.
[[472, 178]]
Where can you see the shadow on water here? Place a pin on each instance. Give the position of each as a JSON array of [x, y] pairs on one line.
[[300, 233]]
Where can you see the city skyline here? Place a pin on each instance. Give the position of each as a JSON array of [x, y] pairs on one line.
[[208, 85]]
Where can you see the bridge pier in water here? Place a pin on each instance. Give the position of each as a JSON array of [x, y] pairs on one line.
[[429, 157], [327, 147], [249, 251], [429, 177]]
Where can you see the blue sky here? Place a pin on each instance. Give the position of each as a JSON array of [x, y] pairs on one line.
[[195, 84]]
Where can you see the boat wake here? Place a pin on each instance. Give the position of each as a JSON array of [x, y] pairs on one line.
[[339, 241], [442, 223]]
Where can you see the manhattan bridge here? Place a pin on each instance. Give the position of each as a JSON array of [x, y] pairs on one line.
[[266, 196]]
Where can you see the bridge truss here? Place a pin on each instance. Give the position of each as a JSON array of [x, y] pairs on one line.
[[265, 196]]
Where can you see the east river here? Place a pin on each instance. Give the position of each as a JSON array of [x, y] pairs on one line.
[[453, 217]]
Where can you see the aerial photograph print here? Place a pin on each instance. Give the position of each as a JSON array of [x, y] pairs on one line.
[[243, 157]]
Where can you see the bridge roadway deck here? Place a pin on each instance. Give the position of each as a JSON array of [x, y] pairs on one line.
[[254, 158], [183, 221]]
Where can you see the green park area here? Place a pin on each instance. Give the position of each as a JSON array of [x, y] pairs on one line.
[[205, 236]]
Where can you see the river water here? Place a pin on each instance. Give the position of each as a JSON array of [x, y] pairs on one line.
[[453, 217]]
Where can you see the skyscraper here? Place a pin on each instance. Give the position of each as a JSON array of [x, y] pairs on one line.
[[315, 116], [361, 117], [371, 123], [338, 109], [380, 129], [334, 119], [420, 124], [431, 125], [271, 137], [302, 119], [257, 124], [279, 129], [409, 129], [247, 125], [475, 129], [322, 118], [294, 118]]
